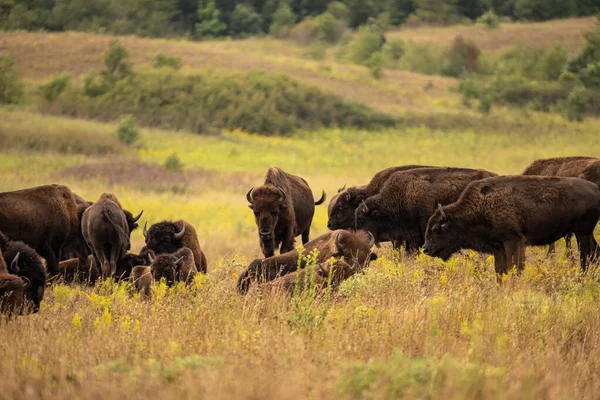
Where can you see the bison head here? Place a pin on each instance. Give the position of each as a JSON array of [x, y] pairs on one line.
[[166, 266], [592, 173], [267, 203], [342, 207], [165, 237], [441, 238], [131, 220], [369, 216], [12, 294], [27, 264], [354, 248]]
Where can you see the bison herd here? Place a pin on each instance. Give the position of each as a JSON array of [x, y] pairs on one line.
[[437, 209]]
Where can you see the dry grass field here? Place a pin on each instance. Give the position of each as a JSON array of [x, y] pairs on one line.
[[408, 327]]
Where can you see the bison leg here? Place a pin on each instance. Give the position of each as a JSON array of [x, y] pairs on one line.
[[287, 243], [551, 248], [587, 249], [306, 235], [268, 247], [515, 254], [500, 262]]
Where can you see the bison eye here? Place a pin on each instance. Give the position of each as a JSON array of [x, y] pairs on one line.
[[255, 214]]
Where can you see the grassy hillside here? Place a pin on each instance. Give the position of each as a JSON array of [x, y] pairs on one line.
[[412, 327]]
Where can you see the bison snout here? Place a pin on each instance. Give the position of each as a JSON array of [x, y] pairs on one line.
[[264, 233], [329, 226], [427, 249]]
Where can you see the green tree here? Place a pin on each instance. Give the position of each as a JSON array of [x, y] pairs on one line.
[[244, 21], [209, 24], [283, 20], [11, 85], [436, 11]]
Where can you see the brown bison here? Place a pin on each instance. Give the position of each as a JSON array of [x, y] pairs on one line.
[[169, 237], [174, 267], [106, 229], [44, 217], [401, 209], [283, 209], [354, 248], [343, 205], [503, 214], [587, 168], [24, 262], [75, 246], [12, 291], [126, 264], [141, 277], [73, 271]]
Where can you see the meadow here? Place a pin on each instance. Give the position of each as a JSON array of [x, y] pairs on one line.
[[408, 327]]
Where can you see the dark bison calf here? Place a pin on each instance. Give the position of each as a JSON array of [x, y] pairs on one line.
[[354, 248], [169, 237], [141, 277], [24, 262], [175, 267], [283, 209], [401, 209], [503, 214], [343, 205], [12, 291]]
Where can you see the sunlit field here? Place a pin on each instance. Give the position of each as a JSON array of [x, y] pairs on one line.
[[407, 327]]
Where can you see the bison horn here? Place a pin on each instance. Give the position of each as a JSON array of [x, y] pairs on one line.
[[337, 242], [249, 195], [363, 207], [145, 231], [442, 213], [26, 281], [179, 235], [342, 188], [179, 260], [371, 239], [14, 265], [135, 219], [150, 258], [282, 195]]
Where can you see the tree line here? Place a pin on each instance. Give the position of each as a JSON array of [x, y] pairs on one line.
[[213, 18]]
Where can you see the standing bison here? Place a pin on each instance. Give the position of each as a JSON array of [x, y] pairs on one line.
[[343, 205], [503, 214], [169, 237], [106, 229], [44, 217], [283, 209], [400, 211]]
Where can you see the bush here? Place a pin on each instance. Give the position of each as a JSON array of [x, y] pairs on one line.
[[521, 92], [55, 86], [544, 64], [115, 60], [283, 20], [127, 130], [364, 44], [245, 21], [375, 65], [590, 75], [304, 32], [552, 62], [339, 11], [11, 84], [462, 57], [489, 19], [165, 60], [393, 50], [209, 23], [327, 29], [173, 163], [575, 107]]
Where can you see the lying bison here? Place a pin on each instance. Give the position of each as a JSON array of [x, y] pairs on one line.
[[169, 237], [175, 267], [354, 248], [503, 214], [24, 262], [343, 205], [106, 228], [401, 209], [587, 168], [283, 209], [44, 217], [141, 277]]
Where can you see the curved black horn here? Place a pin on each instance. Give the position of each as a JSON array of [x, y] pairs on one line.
[[282, 194], [363, 207], [442, 213], [135, 219], [145, 231], [342, 188], [249, 195], [26, 281], [150, 258], [14, 265], [371, 239], [179, 235], [337, 241]]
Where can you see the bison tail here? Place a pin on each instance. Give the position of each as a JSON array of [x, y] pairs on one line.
[[124, 237], [322, 199]]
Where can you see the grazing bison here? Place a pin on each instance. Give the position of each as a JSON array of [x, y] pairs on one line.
[[343, 205], [169, 237], [503, 214], [73, 271], [587, 168], [141, 277], [12, 291], [24, 262], [106, 228], [44, 217], [175, 267], [401, 209], [283, 209], [354, 248]]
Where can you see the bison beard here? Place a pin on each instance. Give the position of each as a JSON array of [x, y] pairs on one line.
[[502, 215], [283, 209]]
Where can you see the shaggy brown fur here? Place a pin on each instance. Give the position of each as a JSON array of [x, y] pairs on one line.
[[106, 230], [72, 271], [12, 294], [283, 209], [126, 263], [399, 212], [352, 247], [503, 214], [342, 205], [44, 217], [162, 238], [141, 277], [175, 267]]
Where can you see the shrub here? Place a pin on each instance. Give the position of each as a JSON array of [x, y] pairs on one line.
[[173, 163], [55, 86], [364, 44], [375, 64], [244, 21], [165, 60], [545, 64], [115, 60], [327, 29], [489, 19], [551, 62], [462, 57], [590, 75], [127, 130], [519, 91], [425, 59], [575, 106], [304, 32], [393, 50], [209, 23], [11, 84], [283, 20], [339, 11]]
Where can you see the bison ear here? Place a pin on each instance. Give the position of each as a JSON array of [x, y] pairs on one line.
[[250, 206]]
